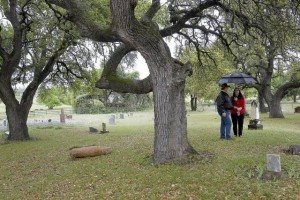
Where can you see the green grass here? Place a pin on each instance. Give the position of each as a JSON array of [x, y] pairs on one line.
[[42, 168]]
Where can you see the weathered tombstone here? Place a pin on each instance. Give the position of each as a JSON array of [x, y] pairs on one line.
[[4, 122], [273, 163], [112, 119], [62, 116], [131, 114], [121, 116], [297, 109], [93, 130], [254, 122], [104, 128], [294, 149]]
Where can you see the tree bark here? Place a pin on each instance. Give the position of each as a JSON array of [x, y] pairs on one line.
[[262, 107], [17, 117], [171, 140], [275, 108], [193, 103]]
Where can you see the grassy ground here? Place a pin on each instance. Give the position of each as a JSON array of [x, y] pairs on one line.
[[42, 168]]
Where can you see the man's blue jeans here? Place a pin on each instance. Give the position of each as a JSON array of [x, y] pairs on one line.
[[225, 127]]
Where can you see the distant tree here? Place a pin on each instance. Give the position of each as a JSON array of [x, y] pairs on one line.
[[52, 97], [32, 42], [203, 84], [271, 53]]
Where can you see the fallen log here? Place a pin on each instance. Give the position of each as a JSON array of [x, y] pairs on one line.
[[89, 151]]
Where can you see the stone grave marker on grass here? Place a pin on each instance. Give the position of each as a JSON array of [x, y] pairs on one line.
[[104, 128]]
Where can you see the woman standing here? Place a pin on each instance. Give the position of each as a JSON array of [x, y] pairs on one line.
[[238, 112]]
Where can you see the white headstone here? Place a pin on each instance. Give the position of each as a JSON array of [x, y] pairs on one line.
[[273, 163], [254, 110]]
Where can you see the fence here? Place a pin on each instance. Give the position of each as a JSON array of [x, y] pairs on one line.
[[287, 107], [54, 115]]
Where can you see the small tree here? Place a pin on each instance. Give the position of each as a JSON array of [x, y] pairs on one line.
[[52, 97]]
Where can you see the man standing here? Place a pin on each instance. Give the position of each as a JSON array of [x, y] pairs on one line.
[[224, 105]]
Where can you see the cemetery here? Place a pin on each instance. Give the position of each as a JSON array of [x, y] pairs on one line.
[[152, 99], [116, 163]]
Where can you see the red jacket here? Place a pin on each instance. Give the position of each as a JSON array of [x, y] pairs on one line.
[[238, 103]]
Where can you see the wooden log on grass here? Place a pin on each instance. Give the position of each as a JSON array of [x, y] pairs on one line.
[[89, 151]]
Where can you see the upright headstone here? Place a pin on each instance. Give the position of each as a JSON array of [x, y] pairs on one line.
[[104, 128], [255, 122], [4, 122], [62, 116], [273, 163], [112, 119], [121, 116]]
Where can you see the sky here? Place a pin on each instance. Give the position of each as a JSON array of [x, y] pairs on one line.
[[141, 65]]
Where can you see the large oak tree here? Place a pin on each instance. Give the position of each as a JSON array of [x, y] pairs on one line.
[[195, 22]]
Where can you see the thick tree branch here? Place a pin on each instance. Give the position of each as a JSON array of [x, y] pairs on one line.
[[282, 90], [123, 85], [110, 80], [155, 6], [39, 77], [87, 27]]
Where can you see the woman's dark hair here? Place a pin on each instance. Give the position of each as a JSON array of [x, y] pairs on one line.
[[240, 95]]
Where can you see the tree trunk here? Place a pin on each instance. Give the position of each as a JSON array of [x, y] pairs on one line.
[[171, 140], [262, 107], [167, 80], [275, 108], [17, 120], [193, 103]]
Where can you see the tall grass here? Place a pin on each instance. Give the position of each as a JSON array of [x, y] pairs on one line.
[[42, 168]]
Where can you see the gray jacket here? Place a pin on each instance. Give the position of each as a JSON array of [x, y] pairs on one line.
[[223, 102]]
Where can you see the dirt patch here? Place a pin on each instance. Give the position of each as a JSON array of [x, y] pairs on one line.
[[265, 175]]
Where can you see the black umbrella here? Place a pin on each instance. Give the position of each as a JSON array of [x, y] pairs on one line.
[[238, 78]]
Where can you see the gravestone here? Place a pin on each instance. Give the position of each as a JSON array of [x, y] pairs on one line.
[[104, 128], [93, 130], [4, 122], [254, 122], [112, 119], [62, 116], [294, 149], [121, 116], [273, 163], [297, 109]]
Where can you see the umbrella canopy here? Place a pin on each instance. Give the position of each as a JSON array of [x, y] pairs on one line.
[[238, 78]]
